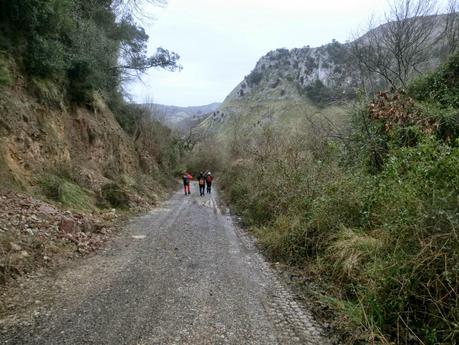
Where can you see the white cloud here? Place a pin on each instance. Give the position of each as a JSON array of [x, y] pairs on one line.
[[220, 41]]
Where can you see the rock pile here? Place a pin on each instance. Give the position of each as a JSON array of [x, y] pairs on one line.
[[34, 233]]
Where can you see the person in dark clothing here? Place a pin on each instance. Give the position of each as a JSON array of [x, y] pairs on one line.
[[186, 182], [209, 179], [202, 183]]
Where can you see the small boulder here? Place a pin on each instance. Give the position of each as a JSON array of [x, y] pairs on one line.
[[15, 247], [67, 225], [46, 210]]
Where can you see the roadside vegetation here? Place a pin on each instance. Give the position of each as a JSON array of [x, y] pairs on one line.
[[374, 213], [367, 209]]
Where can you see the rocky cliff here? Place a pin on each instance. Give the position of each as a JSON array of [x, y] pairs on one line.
[[307, 80], [285, 85]]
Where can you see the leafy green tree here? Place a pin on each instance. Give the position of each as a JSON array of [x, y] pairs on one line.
[[83, 45]]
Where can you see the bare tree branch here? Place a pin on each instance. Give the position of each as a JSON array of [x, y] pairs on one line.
[[395, 51], [452, 26]]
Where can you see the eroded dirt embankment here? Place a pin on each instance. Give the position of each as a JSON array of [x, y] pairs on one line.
[[37, 138], [67, 156]]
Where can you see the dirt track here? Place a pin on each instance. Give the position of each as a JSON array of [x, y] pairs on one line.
[[183, 274]]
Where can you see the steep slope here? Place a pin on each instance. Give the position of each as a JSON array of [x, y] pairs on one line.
[[286, 86], [86, 145], [36, 138]]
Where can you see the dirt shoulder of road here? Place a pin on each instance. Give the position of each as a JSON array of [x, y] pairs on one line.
[[39, 240], [305, 286]]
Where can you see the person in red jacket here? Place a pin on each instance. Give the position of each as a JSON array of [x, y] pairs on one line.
[[209, 179], [186, 182]]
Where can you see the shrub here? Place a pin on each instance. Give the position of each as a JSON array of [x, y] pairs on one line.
[[46, 58], [51, 187], [254, 78], [47, 91], [5, 74], [115, 195], [440, 87], [62, 190]]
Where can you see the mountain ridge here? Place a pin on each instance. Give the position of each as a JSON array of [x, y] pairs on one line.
[[317, 78], [172, 114]]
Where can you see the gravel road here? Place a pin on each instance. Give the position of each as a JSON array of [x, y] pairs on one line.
[[182, 274]]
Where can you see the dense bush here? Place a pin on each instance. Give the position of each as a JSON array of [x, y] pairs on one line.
[[254, 78], [376, 215], [115, 195], [440, 87], [319, 93], [82, 46]]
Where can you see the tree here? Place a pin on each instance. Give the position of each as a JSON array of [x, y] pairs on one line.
[[452, 26], [396, 50], [82, 46]]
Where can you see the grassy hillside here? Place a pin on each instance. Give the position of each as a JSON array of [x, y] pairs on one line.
[[283, 107]]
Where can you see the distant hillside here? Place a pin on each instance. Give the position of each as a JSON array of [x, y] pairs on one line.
[[174, 115], [286, 85]]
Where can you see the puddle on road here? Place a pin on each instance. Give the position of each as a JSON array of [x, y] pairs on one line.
[[138, 237]]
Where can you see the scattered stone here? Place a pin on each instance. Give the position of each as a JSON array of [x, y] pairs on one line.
[[67, 225], [47, 210], [31, 227], [15, 247]]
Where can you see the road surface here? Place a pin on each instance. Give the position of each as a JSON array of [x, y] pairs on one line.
[[182, 274]]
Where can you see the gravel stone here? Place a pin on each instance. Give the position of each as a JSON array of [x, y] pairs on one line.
[[182, 274]]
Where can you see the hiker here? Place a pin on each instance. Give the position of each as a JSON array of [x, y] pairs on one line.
[[209, 179], [202, 183], [186, 182]]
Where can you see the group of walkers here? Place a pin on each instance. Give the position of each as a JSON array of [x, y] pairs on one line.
[[204, 180]]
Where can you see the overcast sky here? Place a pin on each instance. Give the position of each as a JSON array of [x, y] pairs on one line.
[[220, 41]]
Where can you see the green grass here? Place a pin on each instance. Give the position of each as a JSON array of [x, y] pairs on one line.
[[5, 73], [67, 193], [47, 91]]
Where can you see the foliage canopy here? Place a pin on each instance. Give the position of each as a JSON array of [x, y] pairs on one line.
[[83, 46]]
